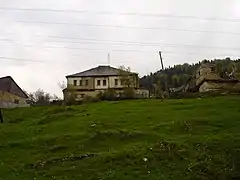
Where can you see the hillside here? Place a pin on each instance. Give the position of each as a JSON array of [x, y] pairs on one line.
[[179, 74], [175, 139]]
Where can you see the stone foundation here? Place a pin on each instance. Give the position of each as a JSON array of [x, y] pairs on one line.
[[219, 86]]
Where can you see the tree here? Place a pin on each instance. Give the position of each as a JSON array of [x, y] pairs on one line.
[[127, 78], [62, 85], [158, 89], [175, 80], [39, 98], [55, 97], [128, 81]]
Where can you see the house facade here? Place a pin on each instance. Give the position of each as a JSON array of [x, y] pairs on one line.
[[99, 79], [11, 95], [207, 80]]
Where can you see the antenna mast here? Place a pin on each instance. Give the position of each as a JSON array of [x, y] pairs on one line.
[[109, 59]]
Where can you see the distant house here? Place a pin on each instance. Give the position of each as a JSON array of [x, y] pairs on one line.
[[208, 80], [93, 81], [11, 95]]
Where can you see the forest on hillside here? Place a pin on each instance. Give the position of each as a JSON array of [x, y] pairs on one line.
[[179, 74]]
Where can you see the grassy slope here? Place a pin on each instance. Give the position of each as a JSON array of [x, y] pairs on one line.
[[180, 139]]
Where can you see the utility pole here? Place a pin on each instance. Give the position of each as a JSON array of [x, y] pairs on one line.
[[160, 54], [161, 60]]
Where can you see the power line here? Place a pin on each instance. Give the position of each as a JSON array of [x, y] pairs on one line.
[[38, 61], [156, 15], [126, 27], [19, 59], [132, 43], [127, 43], [122, 50]]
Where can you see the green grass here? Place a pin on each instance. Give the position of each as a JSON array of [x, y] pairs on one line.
[[145, 139]]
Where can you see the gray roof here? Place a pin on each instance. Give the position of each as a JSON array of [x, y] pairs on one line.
[[98, 71], [7, 84]]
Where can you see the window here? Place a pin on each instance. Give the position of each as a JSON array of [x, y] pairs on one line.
[[75, 82], [104, 82], [80, 82], [86, 83], [98, 82], [116, 82]]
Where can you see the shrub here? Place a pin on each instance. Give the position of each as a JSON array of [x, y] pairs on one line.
[[70, 100], [128, 93], [108, 95], [100, 96], [89, 99]]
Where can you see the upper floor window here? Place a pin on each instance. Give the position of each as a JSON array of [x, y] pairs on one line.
[[116, 82], [104, 82], [80, 83], [75, 82], [98, 82], [86, 83]]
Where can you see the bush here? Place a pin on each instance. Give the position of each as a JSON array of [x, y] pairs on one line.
[[128, 93], [108, 95], [112, 95], [70, 100], [100, 96], [89, 99]]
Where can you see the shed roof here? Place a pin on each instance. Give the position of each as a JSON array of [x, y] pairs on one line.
[[7, 84]]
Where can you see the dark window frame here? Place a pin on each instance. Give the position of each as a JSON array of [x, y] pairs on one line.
[[116, 82], [98, 82], [75, 82], [104, 82]]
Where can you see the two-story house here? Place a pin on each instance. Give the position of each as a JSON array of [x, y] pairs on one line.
[[93, 81]]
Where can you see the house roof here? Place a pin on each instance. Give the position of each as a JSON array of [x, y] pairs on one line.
[[98, 71], [7, 84]]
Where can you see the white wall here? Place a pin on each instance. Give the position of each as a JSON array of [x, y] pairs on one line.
[[112, 82], [71, 80], [101, 83]]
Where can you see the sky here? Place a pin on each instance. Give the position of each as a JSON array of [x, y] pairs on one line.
[[43, 41]]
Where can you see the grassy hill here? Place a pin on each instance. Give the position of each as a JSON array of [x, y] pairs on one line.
[[150, 139]]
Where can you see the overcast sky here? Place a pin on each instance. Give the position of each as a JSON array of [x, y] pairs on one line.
[[40, 46]]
